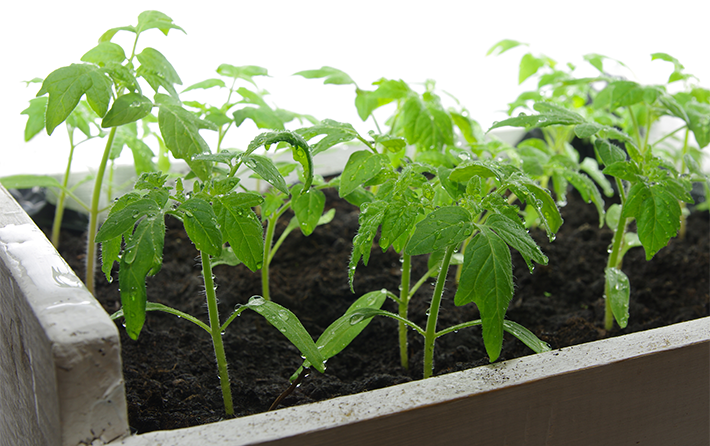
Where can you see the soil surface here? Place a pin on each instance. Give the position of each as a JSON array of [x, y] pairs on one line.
[[170, 372]]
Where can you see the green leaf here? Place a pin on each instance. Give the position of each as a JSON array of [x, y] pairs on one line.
[[371, 214], [201, 225], [487, 280], [359, 196], [246, 72], [607, 152], [331, 75], [121, 221], [142, 256], [65, 86], [142, 156], [153, 61], [241, 228], [226, 257], [591, 168], [110, 252], [155, 20], [180, 131], [35, 117], [389, 142], [288, 324], [336, 133], [399, 218], [265, 168], [619, 94], [526, 336], [550, 114], [362, 166], [515, 235], [613, 214], [343, 331], [301, 150], [127, 108], [624, 170], [529, 65], [427, 124], [28, 181], [503, 46], [657, 215], [103, 53], [673, 107], [699, 117], [99, 95], [619, 290], [150, 181], [586, 129], [481, 168], [443, 227], [263, 117], [541, 201], [206, 84], [387, 91], [308, 207], [588, 191]]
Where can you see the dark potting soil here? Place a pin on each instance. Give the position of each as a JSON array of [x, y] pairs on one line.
[[170, 372]]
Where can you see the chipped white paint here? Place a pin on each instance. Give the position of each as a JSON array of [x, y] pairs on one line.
[[60, 365]]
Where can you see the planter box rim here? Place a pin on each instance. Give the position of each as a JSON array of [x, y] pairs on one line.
[[344, 410]]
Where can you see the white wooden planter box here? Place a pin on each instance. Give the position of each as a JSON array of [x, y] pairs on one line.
[[61, 381]]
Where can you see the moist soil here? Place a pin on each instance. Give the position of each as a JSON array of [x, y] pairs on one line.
[[170, 372]]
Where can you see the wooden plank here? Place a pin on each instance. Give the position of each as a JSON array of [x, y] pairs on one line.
[[60, 360], [650, 387], [660, 399]]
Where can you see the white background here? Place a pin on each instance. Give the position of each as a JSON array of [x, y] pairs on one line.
[[445, 40]]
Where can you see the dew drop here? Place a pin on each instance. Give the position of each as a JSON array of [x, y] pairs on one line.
[[356, 319], [255, 301], [283, 315]]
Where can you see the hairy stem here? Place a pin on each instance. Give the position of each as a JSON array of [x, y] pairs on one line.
[[614, 260], [94, 214], [403, 309], [216, 333], [683, 206], [430, 334]]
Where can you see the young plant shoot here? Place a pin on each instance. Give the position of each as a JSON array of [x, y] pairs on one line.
[[212, 214], [652, 189], [108, 79]]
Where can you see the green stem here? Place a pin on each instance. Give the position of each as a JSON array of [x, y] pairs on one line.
[[404, 297], [421, 280], [216, 333], [59, 210], [266, 260], [668, 135], [637, 131], [430, 334], [94, 214], [614, 261], [109, 186], [683, 206]]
